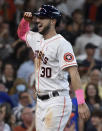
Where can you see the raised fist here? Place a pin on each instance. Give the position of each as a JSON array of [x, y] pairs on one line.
[[28, 16]]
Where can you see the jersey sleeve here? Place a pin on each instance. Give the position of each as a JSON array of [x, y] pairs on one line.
[[32, 38], [66, 55]]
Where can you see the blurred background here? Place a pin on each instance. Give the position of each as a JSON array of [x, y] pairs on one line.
[[81, 25]]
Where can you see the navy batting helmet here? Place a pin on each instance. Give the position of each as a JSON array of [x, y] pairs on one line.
[[48, 11]]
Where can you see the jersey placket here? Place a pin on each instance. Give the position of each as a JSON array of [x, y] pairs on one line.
[[39, 67]]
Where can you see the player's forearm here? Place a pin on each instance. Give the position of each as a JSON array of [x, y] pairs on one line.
[[75, 78], [76, 84], [23, 28]]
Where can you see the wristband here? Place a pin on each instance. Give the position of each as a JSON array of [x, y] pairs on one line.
[[80, 96], [22, 29]]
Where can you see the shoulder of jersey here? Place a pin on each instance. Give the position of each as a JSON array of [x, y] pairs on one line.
[[63, 41], [35, 34]]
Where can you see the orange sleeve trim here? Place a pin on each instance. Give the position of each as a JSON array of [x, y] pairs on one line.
[[68, 65]]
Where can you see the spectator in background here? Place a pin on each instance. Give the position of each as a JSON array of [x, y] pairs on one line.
[[90, 62], [5, 41], [1, 24], [93, 101], [8, 76], [66, 29], [17, 82], [9, 10], [32, 89], [4, 96], [88, 37], [1, 67], [1, 3], [3, 118], [18, 55], [78, 18], [30, 5], [95, 78], [19, 85], [24, 101], [73, 26], [6, 112], [62, 7], [63, 23], [3, 88], [28, 116], [51, 2], [19, 10], [93, 10], [12, 122], [99, 53], [27, 68], [74, 4], [96, 119]]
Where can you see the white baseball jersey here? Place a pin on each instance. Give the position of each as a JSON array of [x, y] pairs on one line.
[[51, 57]]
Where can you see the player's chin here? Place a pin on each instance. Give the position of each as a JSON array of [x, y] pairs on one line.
[[40, 30]]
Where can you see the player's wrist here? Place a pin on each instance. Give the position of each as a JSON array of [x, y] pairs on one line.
[[80, 96]]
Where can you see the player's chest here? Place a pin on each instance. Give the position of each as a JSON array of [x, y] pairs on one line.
[[46, 51]]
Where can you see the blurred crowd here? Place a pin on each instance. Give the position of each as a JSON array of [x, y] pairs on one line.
[[81, 24]]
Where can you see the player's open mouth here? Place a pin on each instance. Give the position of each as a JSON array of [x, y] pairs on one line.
[[39, 26]]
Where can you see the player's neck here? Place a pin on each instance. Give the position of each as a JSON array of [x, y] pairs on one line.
[[50, 34]]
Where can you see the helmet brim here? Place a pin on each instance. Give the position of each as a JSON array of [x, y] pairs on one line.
[[41, 15]]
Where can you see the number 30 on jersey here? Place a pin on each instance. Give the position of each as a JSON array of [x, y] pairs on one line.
[[45, 72]]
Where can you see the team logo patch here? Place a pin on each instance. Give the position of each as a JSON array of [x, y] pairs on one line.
[[68, 57]]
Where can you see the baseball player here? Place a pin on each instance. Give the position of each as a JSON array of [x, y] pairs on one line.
[[54, 60]]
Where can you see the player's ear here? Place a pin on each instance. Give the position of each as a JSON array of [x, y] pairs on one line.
[[53, 21]]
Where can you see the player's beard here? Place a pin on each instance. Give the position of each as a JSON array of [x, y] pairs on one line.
[[46, 29]]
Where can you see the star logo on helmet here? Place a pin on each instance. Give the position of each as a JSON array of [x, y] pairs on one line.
[[42, 9]]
